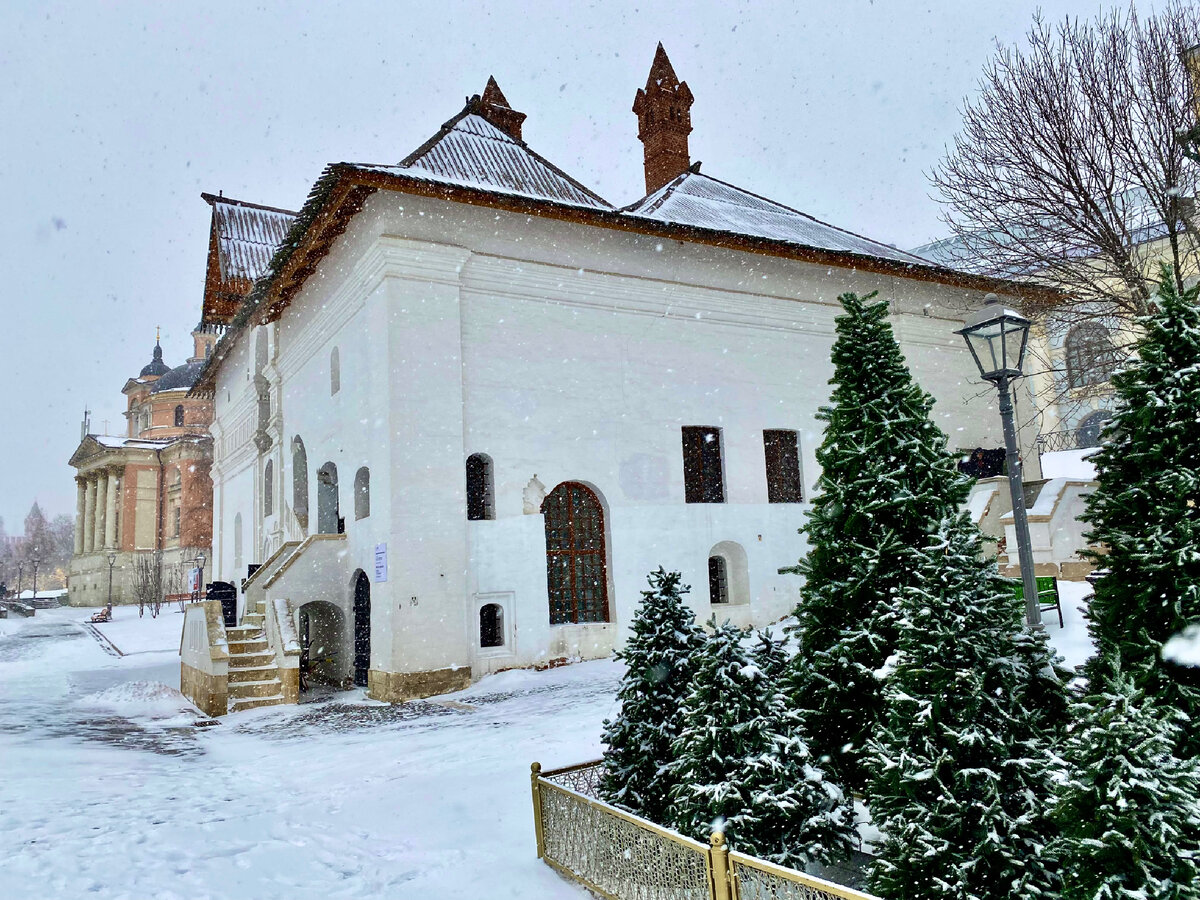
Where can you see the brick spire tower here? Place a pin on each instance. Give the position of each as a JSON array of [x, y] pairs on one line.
[[493, 106], [664, 122]]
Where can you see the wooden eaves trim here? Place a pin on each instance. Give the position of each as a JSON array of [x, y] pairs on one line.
[[353, 185]]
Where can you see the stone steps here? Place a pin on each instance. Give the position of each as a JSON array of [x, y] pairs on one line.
[[237, 704], [253, 675]]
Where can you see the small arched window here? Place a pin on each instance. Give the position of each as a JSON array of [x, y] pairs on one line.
[[269, 488], [491, 625], [179, 416], [480, 494], [728, 574], [300, 482], [1087, 432], [1090, 357], [335, 372], [362, 493]]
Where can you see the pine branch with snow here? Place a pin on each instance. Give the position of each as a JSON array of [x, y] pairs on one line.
[[742, 766], [1146, 510], [658, 655], [886, 480], [1127, 806]]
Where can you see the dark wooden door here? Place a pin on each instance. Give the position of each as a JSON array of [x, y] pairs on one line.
[[362, 629]]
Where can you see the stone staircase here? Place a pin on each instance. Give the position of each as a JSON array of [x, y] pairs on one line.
[[253, 674]]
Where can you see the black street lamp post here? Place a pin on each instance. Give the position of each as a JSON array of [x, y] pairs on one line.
[[35, 562], [112, 561], [996, 337], [20, 575], [201, 559]]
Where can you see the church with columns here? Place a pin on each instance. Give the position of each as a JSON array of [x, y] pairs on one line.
[[145, 494]]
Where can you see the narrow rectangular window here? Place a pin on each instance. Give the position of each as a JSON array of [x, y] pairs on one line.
[[718, 580], [703, 478], [783, 466]]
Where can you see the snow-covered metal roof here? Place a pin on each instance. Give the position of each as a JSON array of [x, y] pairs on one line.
[[472, 152], [247, 237], [704, 202], [116, 443]]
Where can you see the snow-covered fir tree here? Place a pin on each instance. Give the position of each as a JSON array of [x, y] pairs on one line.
[[1127, 806], [886, 479], [1146, 510], [960, 783], [742, 766], [771, 657], [659, 654]]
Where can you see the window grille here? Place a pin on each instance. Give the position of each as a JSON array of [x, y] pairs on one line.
[[576, 564], [783, 466], [703, 478]]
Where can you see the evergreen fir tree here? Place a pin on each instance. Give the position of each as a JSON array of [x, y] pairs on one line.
[[1146, 510], [960, 778], [742, 766], [770, 657], [659, 662], [886, 480], [1127, 807]]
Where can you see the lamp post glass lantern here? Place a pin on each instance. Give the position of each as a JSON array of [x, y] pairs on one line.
[[997, 336], [200, 560]]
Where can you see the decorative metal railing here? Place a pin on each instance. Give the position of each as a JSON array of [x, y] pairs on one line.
[[625, 857]]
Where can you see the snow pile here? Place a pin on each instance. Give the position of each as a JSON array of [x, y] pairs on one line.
[[139, 700], [1184, 648], [1075, 465]]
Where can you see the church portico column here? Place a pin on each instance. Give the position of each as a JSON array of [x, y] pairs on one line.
[[110, 509], [89, 516], [101, 505], [80, 512]]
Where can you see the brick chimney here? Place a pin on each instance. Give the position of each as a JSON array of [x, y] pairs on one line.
[[493, 106], [664, 122]]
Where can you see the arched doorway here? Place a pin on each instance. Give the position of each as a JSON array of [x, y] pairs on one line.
[[576, 555], [322, 648], [327, 500], [362, 628]]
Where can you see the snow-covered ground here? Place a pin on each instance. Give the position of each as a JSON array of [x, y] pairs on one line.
[[109, 790], [1071, 641]]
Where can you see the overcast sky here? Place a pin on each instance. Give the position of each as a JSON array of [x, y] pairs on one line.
[[115, 116]]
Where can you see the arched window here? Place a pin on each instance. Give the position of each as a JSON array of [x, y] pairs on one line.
[[269, 488], [362, 493], [328, 515], [491, 625], [480, 500], [1087, 432], [300, 482], [1090, 357], [728, 574], [335, 372], [179, 416], [576, 555]]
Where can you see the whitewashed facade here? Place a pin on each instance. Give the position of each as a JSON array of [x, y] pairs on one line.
[[566, 349]]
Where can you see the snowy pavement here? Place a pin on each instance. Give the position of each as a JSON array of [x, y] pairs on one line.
[[109, 789]]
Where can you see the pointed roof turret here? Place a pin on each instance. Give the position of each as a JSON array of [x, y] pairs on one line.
[[493, 106], [661, 71], [663, 109]]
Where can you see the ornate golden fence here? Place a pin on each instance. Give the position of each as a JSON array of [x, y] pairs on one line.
[[624, 857]]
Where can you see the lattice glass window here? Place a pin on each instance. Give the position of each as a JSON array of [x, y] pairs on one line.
[[481, 504], [576, 567], [491, 625], [1090, 356], [782, 450], [703, 475], [718, 580]]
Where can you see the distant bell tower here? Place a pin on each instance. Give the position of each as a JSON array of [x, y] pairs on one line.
[[664, 122]]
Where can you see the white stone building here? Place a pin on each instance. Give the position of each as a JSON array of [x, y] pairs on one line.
[[473, 404]]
